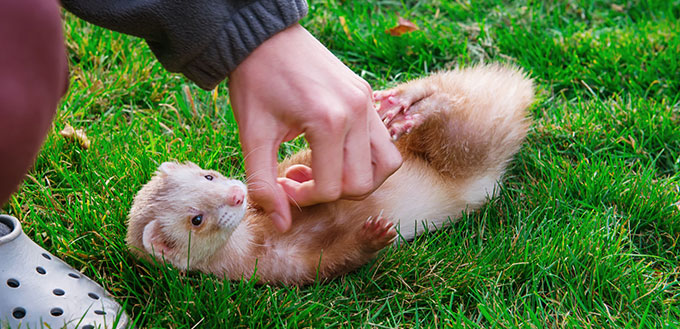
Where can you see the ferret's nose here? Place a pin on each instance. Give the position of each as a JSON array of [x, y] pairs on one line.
[[235, 196]]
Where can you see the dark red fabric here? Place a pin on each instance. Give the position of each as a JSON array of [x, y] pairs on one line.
[[33, 76]]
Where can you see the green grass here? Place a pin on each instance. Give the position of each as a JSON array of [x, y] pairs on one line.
[[584, 234]]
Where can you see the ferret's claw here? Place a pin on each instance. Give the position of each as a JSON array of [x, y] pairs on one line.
[[377, 233], [390, 113], [404, 123], [380, 95], [395, 108], [390, 104]]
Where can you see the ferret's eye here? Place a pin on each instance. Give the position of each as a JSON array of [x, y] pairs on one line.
[[208, 177], [197, 220]]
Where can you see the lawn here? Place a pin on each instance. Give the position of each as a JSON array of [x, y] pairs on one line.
[[584, 234]]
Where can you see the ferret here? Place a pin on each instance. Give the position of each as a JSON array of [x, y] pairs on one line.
[[456, 130]]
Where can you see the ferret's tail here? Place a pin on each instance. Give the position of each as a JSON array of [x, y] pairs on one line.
[[476, 119]]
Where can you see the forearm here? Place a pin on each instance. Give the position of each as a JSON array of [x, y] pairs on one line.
[[203, 39]]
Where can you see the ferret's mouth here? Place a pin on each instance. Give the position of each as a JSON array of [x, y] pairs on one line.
[[234, 209], [230, 217]]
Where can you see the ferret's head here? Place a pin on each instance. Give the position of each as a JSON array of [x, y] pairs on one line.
[[184, 214]]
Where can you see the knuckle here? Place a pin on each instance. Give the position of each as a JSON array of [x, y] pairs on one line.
[[365, 87], [332, 120], [359, 99], [359, 188], [329, 193], [395, 161], [390, 162]]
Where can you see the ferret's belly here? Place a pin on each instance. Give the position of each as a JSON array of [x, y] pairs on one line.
[[417, 198]]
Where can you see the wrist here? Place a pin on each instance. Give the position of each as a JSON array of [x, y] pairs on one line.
[[270, 53], [244, 32]]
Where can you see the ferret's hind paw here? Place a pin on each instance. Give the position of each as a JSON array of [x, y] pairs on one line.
[[377, 233]]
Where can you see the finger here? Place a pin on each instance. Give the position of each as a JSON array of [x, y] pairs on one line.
[[261, 167], [385, 156], [327, 160], [291, 188], [357, 172]]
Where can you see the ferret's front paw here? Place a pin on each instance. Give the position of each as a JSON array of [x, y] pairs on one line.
[[395, 108], [403, 124], [391, 104], [377, 233]]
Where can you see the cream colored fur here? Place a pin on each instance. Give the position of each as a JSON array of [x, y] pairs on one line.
[[473, 121]]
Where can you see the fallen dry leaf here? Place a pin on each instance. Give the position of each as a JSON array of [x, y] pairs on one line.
[[618, 8], [403, 26], [75, 135], [343, 22]]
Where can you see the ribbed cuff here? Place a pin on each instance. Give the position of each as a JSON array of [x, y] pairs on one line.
[[247, 29]]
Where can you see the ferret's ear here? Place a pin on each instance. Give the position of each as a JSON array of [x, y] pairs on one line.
[[168, 167], [153, 240], [192, 165]]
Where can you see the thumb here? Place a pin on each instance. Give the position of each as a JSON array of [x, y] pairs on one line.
[[261, 169], [299, 173]]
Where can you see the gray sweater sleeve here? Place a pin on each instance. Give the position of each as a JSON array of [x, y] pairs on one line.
[[203, 39]]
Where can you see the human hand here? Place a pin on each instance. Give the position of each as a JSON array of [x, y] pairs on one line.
[[291, 84]]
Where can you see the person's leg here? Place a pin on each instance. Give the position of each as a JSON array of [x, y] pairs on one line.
[[33, 76]]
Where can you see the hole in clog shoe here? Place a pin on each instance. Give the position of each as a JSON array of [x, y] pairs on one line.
[[56, 311], [4, 229], [13, 283], [93, 295], [58, 292], [40, 270], [74, 275], [100, 312], [47, 256], [88, 326], [18, 312]]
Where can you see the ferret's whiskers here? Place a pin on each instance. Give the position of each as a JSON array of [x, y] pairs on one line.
[[262, 185], [252, 175], [258, 188], [245, 156], [294, 201]]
